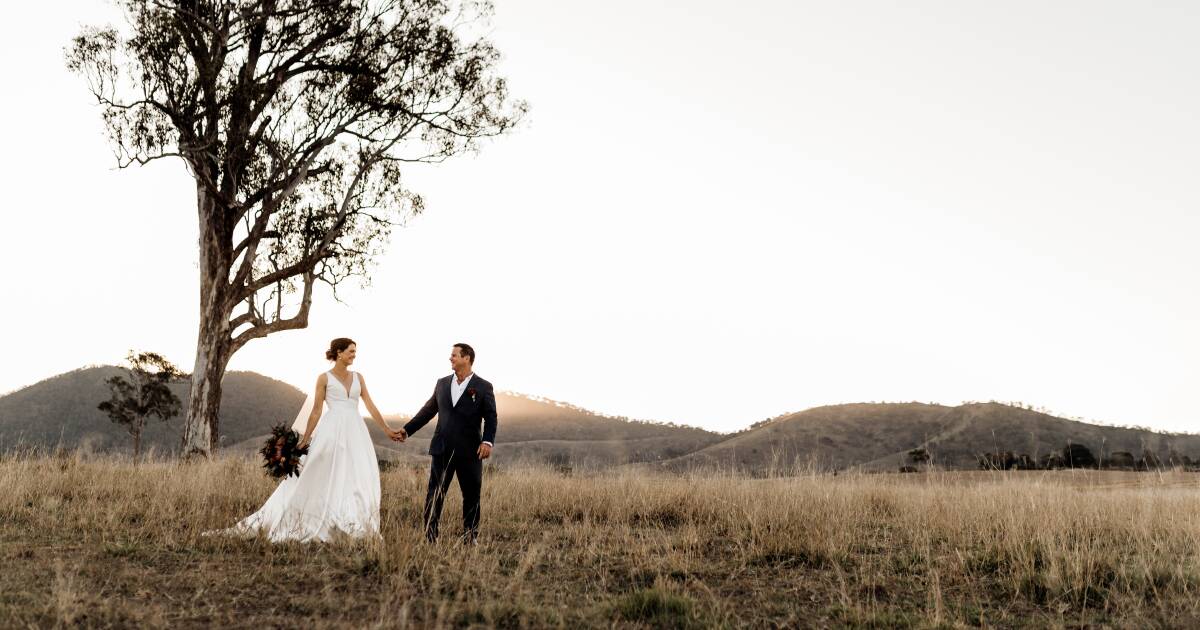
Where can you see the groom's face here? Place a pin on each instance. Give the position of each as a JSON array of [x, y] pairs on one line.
[[458, 361]]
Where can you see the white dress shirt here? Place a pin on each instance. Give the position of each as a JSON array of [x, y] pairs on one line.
[[457, 389]]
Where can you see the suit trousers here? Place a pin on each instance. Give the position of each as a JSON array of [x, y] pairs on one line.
[[466, 465]]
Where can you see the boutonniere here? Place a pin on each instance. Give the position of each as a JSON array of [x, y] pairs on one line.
[[471, 393]]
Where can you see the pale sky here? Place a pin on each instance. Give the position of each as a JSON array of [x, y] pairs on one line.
[[711, 216]]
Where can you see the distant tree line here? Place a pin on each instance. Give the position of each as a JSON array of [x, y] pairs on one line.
[[1072, 455], [1076, 455]]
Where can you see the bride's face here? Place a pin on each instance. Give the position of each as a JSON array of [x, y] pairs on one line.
[[347, 356]]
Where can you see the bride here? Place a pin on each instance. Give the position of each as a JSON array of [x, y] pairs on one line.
[[338, 486]]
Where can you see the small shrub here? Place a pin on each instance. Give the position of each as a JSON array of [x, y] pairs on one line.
[[656, 607]]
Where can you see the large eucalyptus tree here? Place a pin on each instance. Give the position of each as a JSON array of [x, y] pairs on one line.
[[294, 118]]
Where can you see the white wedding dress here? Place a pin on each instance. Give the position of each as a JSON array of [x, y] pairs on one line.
[[338, 486]]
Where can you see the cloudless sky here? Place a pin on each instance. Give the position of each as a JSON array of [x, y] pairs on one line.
[[715, 213]]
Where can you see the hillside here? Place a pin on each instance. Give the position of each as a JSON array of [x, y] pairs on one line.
[[996, 427], [539, 430], [831, 437], [61, 411], [878, 437]]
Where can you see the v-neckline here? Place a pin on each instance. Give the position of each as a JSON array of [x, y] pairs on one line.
[[339, 380]]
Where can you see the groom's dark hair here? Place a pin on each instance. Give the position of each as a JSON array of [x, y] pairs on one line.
[[466, 351]]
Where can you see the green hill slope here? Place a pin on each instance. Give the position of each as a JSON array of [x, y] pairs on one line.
[[879, 436], [61, 411], [539, 430]]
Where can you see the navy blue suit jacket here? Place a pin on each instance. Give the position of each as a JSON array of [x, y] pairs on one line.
[[458, 426]]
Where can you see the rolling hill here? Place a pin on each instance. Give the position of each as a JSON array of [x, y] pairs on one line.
[[61, 411], [869, 436], [539, 430]]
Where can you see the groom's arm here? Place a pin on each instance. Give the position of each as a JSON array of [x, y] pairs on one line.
[[423, 416], [489, 416]]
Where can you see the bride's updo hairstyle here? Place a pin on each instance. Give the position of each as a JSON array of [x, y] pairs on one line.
[[336, 346]]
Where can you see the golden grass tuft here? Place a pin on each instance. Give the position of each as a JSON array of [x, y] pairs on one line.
[[102, 543]]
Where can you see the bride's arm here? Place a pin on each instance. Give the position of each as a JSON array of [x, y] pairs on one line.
[[315, 414], [375, 415]]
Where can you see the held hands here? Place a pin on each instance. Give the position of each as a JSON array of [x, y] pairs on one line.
[[304, 441], [401, 435]]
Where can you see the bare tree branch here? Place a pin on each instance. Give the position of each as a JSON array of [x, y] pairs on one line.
[[295, 120]]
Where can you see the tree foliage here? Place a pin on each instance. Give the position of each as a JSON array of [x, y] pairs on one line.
[[143, 393], [296, 117], [1077, 455], [295, 120]]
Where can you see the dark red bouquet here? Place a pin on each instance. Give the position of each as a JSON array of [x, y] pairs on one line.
[[282, 452]]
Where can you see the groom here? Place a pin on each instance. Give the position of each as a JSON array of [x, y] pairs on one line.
[[461, 401]]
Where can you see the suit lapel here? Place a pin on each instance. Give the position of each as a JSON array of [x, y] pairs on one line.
[[446, 391]]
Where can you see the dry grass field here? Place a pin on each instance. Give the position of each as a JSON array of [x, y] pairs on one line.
[[101, 543]]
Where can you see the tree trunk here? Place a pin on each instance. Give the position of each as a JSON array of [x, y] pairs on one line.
[[213, 342], [137, 444], [204, 398]]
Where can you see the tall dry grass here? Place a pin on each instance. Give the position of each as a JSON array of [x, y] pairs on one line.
[[94, 542]]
